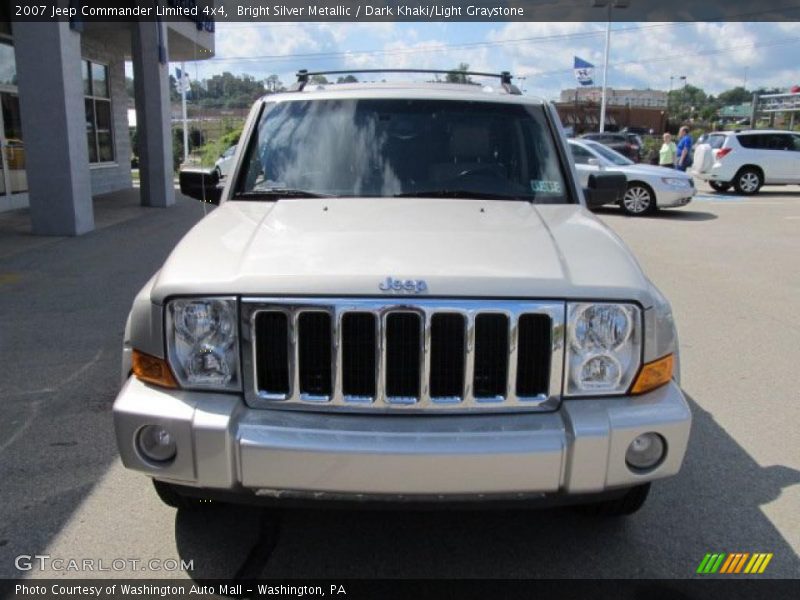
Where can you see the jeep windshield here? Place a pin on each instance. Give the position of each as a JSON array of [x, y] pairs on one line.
[[397, 148]]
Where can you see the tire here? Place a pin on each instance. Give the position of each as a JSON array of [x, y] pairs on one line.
[[639, 200], [719, 186], [748, 181], [623, 506], [171, 497]]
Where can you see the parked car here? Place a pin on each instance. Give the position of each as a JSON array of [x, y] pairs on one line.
[[649, 187], [747, 160], [402, 297], [637, 130], [619, 142], [224, 162]]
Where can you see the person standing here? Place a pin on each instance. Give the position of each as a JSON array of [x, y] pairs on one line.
[[668, 154], [684, 149]]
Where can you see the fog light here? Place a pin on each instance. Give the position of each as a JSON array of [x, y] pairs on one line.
[[646, 451], [156, 444]]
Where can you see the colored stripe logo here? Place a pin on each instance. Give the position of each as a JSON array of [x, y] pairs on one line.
[[734, 563]]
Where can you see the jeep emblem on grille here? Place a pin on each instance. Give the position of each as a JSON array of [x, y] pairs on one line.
[[406, 286]]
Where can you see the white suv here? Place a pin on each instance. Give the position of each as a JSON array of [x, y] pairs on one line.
[[748, 160]]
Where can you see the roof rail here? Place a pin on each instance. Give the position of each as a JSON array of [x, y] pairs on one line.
[[304, 76]]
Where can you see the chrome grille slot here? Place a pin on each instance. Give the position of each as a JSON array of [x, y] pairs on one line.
[[533, 368], [402, 354], [359, 356], [272, 354], [402, 359], [314, 343], [491, 357], [448, 351]]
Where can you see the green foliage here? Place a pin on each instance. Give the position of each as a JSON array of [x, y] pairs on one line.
[[225, 91], [347, 79], [177, 148], [457, 75], [212, 151], [737, 95]]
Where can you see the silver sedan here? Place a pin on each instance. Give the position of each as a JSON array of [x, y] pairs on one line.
[[649, 187]]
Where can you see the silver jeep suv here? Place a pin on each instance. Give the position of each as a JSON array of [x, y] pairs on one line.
[[402, 297]]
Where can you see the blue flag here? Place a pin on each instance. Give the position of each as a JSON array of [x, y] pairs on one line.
[[584, 71]]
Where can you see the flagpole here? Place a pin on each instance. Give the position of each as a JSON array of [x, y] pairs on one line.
[[605, 72], [183, 109]]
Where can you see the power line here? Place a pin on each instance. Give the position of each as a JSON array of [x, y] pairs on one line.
[[438, 48]]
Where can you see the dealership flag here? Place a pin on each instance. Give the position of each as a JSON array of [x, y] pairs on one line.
[[584, 71], [182, 82]]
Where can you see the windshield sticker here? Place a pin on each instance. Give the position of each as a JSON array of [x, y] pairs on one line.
[[545, 187]]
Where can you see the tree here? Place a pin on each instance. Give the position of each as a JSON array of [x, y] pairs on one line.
[[273, 84], [737, 95], [319, 79], [458, 74], [347, 79]]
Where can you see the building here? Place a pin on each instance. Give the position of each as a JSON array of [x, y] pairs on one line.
[[64, 119], [584, 117], [632, 98], [735, 112]]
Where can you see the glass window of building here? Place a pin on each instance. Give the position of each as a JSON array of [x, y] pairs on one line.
[[98, 112]]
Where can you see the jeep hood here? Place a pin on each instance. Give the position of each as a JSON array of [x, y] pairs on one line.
[[348, 246]]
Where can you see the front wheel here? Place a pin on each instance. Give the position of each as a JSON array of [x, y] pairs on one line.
[[638, 200], [748, 181], [623, 506], [719, 186]]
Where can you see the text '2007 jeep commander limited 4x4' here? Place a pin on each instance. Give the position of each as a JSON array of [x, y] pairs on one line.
[[402, 296]]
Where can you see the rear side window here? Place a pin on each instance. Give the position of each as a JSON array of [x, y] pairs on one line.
[[716, 141], [767, 141], [750, 141], [796, 143]]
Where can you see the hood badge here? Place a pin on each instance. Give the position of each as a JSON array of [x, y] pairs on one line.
[[403, 286]]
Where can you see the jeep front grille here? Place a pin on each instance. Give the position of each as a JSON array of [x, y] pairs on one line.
[[402, 354]]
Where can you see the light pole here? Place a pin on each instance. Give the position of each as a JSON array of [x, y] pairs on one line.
[[608, 4]]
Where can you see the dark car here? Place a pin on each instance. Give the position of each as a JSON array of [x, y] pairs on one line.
[[621, 142]]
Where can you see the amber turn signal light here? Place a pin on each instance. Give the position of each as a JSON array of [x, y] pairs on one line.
[[654, 374], [153, 370]]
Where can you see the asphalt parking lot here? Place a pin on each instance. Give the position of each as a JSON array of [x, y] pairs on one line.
[[729, 266]]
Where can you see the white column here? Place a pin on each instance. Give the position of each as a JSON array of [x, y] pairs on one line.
[[153, 113], [51, 95]]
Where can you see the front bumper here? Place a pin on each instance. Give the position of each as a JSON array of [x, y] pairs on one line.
[[673, 196], [224, 445]]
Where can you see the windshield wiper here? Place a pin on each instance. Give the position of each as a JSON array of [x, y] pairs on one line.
[[277, 193], [471, 194]]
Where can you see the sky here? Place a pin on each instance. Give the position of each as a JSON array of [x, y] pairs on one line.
[[713, 56]]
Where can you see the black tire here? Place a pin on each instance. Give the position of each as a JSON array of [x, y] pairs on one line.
[[719, 186], [639, 200], [171, 497], [623, 506], [748, 181]]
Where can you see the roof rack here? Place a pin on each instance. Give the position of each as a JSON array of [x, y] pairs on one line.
[[304, 76]]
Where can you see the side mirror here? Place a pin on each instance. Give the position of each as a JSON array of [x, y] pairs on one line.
[[201, 184], [594, 162], [605, 188]]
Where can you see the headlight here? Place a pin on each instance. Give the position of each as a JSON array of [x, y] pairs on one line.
[[202, 343], [604, 349], [677, 181]]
